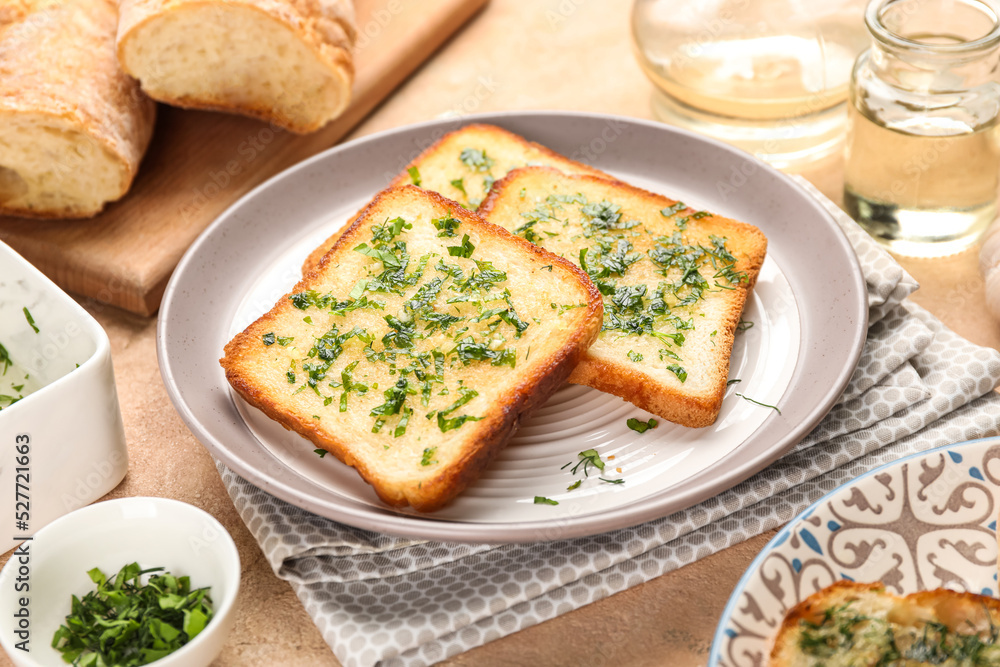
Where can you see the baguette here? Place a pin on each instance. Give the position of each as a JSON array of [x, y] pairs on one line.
[[464, 164], [417, 346], [73, 126], [863, 625], [675, 282], [284, 61]]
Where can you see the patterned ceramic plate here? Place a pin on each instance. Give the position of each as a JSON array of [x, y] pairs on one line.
[[926, 521], [799, 355]]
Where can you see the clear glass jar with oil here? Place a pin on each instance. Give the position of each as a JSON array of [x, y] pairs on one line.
[[768, 76], [923, 160]]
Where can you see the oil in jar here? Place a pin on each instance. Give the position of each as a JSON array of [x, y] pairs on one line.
[[927, 187], [923, 163]]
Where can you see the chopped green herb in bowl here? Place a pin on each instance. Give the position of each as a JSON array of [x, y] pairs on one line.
[[124, 611], [134, 619]]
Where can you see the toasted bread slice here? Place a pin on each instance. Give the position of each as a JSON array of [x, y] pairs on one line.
[[849, 624], [674, 282], [464, 164], [418, 345]]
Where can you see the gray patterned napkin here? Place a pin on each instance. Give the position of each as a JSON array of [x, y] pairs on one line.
[[385, 600]]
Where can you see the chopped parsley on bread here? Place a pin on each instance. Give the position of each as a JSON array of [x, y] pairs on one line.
[[674, 282], [417, 345], [851, 624], [464, 164]]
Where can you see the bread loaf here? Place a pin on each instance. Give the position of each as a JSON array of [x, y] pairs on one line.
[[284, 61], [73, 126]]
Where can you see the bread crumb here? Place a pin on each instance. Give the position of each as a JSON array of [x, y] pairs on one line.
[[611, 458], [618, 469]]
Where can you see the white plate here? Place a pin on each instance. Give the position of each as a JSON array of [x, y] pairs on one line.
[[798, 356], [926, 521]]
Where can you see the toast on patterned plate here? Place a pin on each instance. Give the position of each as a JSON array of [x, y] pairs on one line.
[[850, 624], [674, 282], [417, 346], [462, 166]]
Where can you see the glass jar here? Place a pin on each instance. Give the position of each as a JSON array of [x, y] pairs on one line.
[[769, 77], [922, 155]]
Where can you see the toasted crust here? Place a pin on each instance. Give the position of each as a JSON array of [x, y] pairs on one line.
[[550, 348], [440, 164], [870, 612], [73, 125], [222, 75], [696, 400]]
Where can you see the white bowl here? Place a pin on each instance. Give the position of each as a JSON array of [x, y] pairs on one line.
[[70, 419], [155, 532]]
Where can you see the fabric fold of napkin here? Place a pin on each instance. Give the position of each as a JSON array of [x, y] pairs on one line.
[[384, 600]]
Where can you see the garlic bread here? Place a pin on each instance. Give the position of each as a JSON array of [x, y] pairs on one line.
[[417, 346], [674, 282], [464, 164], [851, 624]]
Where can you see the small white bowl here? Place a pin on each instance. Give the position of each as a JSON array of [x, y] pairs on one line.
[[69, 416], [155, 532]]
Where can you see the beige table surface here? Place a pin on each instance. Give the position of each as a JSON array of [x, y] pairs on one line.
[[518, 54]]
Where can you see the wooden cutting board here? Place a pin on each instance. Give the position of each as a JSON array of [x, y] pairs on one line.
[[201, 162]]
